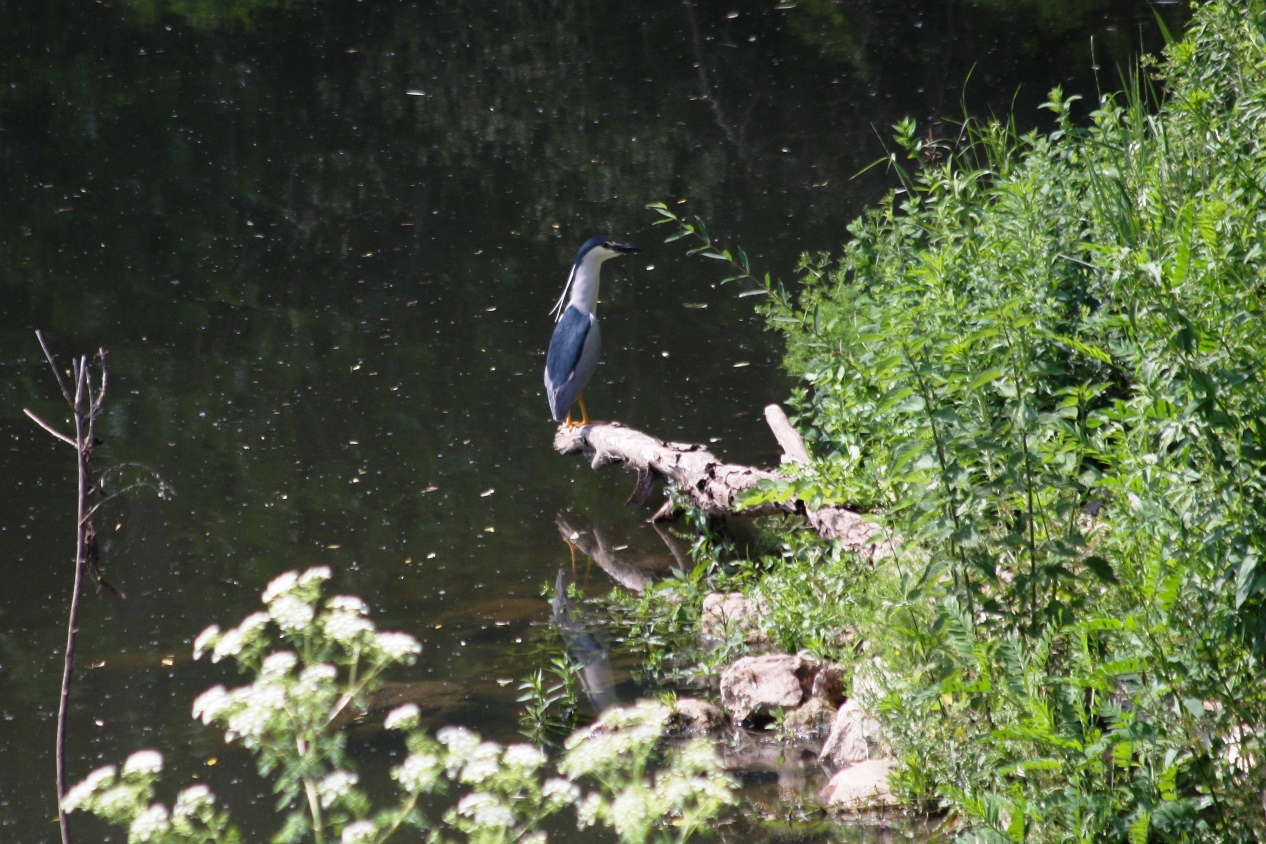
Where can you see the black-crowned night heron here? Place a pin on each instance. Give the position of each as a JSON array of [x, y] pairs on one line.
[[573, 351]]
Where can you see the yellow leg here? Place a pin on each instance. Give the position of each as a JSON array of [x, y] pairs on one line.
[[584, 414]]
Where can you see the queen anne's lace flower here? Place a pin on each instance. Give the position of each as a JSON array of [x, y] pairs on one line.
[[345, 627], [144, 762], [629, 812], [523, 756], [278, 664], [192, 800], [262, 703], [208, 705], [115, 801], [398, 646], [252, 623], [280, 585], [76, 795], [334, 786], [486, 810], [149, 824], [402, 717], [484, 762], [589, 810], [698, 756], [459, 740], [347, 603], [291, 614], [322, 672], [205, 639], [230, 644], [418, 773], [560, 792], [316, 574], [358, 832]]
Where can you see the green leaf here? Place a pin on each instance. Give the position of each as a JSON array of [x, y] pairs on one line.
[[1140, 829], [1246, 579], [1101, 568], [986, 377]]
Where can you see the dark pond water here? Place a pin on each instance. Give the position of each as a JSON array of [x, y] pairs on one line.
[[321, 241]]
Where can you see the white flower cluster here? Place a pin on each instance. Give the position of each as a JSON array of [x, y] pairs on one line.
[[192, 802], [77, 796], [229, 643], [590, 810], [459, 741], [524, 758], [359, 832], [247, 712], [402, 717], [419, 773], [149, 824], [483, 763], [143, 762], [691, 788], [335, 786], [346, 628], [292, 614], [620, 735], [398, 647], [486, 810], [115, 802], [630, 813], [278, 665], [559, 792]]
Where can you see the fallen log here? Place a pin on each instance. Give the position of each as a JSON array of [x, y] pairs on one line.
[[712, 485]]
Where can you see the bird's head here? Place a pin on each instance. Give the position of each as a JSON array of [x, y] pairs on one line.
[[602, 248]]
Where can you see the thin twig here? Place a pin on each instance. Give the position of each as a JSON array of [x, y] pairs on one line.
[[47, 427], [83, 440], [61, 382]]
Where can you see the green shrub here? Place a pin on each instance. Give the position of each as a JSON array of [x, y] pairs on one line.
[[1040, 363]]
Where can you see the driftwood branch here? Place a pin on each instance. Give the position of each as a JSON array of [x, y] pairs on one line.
[[85, 405], [711, 484]]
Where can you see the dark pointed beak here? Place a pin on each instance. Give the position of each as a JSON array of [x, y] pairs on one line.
[[625, 247]]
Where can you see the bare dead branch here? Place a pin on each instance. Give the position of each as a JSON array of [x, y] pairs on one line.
[[47, 427], [85, 407], [712, 485], [61, 382], [789, 439]]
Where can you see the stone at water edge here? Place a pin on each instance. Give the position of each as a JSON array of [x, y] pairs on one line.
[[726, 613], [693, 715], [815, 715], [760, 684], [854, 737], [860, 786]]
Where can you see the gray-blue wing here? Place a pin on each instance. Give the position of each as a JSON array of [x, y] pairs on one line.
[[572, 358]]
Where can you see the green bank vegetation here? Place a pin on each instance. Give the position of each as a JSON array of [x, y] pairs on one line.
[[1039, 363]]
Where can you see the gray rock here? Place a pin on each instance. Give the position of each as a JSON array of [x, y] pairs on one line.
[[815, 715], [854, 737], [828, 684], [694, 715], [760, 684], [860, 786]]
